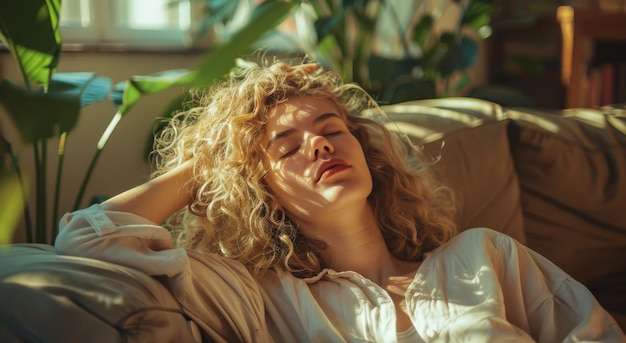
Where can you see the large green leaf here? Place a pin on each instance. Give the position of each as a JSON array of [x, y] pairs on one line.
[[30, 29], [423, 29], [478, 13], [218, 62], [85, 85], [39, 115], [219, 11], [126, 93], [330, 55], [11, 205], [325, 25]]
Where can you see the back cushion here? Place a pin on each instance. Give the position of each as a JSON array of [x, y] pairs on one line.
[[572, 170], [468, 139]]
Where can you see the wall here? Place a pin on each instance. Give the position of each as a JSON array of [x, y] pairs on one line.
[[122, 164]]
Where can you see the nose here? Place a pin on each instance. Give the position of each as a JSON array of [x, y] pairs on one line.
[[319, 147]]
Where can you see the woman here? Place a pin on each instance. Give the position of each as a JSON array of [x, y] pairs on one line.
[[301, 221]]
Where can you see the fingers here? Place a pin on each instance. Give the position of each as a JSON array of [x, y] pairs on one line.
[[309, 67]]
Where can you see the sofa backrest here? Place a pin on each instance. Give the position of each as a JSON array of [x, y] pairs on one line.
[[572, 170]]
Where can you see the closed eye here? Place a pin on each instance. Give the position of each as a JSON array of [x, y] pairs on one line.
[[333, 133], [290, 152]]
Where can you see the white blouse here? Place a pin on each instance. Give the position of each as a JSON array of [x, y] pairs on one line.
[[482, 286]]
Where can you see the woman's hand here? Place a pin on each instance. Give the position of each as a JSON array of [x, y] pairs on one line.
[[307, 68]]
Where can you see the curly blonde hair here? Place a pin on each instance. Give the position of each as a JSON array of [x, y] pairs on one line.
[[234, 213]]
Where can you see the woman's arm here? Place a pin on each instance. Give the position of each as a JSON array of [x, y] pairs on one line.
[[125, 229], [156, 199]]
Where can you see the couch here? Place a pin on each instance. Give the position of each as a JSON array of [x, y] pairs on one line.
[[554, 180]]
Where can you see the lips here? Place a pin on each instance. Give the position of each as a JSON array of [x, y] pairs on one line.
[[330, 167]]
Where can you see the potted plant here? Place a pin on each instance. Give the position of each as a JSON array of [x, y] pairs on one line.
[[426, 59]]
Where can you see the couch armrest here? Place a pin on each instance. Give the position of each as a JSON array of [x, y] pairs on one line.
[[54, 298]]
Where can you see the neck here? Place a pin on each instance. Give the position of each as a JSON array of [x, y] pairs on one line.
[[355, 243]]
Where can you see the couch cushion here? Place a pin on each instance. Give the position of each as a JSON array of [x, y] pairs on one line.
[[45, 297], [572, 170], [468, 137]]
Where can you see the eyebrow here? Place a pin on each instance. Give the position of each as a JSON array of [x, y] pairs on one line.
[[285, 133]]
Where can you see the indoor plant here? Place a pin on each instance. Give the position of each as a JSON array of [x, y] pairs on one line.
[[346, 36], [428, 57]]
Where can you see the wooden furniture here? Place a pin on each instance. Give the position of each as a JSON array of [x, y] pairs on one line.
[[581, 30], [524, 55]]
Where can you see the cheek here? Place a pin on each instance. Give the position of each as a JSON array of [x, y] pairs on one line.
[[286, 179], [278, 178]]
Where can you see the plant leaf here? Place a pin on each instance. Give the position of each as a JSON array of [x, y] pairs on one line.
[[219, 62], [39, 115], [11, 205], [126, 93], [459, 55], [478, 13], [218, 11], [411, 89], [469, 53], [422, 30], [157, 82], [30, 29], [329, 54], [325, 25], [461, 83], [86, 85]]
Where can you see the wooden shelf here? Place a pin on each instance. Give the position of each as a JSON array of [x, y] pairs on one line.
[[580, 30], [524, 55]]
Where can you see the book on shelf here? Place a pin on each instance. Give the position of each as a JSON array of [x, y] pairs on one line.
[[605, 84], [608, 84], [620, 83], [594, 87]]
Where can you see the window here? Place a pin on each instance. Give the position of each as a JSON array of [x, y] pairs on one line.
[[141, 23], [294, 34]]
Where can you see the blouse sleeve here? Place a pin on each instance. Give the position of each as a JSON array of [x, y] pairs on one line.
[[548, 303], [122, 238], [219, 294]]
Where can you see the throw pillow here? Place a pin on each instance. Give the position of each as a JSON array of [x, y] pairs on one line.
[[572, 170]]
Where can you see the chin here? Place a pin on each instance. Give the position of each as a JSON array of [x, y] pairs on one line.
[[341, 196]]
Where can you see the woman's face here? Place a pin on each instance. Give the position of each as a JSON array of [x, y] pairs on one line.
[[317, 167]]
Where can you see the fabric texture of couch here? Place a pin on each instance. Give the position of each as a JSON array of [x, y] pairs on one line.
[[554, 180]]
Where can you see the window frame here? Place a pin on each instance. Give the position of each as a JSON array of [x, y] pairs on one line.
[[103, 30]]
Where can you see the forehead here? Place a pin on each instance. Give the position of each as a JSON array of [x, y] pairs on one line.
[[299, 110]]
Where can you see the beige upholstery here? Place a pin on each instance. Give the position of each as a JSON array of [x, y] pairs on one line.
[[572, 170], [45, 297]]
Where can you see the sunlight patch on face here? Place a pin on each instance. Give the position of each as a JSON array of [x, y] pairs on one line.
[[297, 207]]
